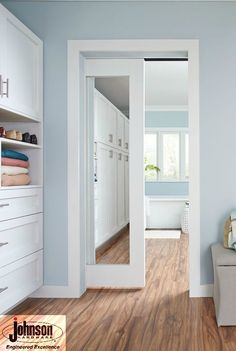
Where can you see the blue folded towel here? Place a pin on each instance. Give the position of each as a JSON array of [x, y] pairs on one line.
[[14, 154]]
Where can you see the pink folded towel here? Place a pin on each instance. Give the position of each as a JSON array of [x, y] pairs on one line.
[[6, 161], [11, 180]]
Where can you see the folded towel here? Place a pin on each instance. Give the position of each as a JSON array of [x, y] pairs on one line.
[[14, 162], [12, 170], [14, 154], [12, 180]]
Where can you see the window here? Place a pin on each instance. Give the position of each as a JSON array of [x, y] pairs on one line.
[[169, 151]]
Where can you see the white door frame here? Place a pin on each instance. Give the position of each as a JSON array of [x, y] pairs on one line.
[[77, 50]]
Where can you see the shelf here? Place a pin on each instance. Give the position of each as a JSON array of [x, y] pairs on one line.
[[16, 187], [12, 116], [15, 144]]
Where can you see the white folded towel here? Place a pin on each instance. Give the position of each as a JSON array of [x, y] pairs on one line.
[[13, 170]]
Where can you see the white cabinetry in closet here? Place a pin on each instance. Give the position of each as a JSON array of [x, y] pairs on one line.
[[21, 207], [105, 120], [111, 187], [127, 188], [106, 193], [21, 64], [121, 190]]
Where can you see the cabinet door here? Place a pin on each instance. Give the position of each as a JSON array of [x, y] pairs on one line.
[[21, 68], [121, 189], [126, 146], [100, 116], [106, 194], [105, 120], [120, 131], [126, 188]]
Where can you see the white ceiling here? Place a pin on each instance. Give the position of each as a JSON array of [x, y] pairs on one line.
[[165, 86]]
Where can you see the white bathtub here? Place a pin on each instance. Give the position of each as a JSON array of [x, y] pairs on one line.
[[164, 212]]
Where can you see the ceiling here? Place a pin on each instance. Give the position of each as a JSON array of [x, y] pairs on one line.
[[166, 85]]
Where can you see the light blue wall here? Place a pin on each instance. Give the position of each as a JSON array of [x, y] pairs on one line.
[[213, 23], [166, 119]]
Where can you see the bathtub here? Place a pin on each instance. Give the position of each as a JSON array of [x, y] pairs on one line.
[[164, 212]]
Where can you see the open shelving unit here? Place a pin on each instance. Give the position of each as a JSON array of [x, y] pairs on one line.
[[34, 151]]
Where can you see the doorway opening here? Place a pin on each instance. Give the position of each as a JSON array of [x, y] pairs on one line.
[[166, 160], [80, 52]]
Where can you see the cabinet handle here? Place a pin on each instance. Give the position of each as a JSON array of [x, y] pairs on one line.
[[127, 158], [120, 157], [3, 289], [3, 244], [120, 142], [127, 145], [4, 205], [111, 154], [7, 88], [111, 138], [1, 87]]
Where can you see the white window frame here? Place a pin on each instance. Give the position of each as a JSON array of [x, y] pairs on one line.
[[159, 153]]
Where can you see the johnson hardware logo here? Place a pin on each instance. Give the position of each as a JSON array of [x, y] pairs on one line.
[[33, 332]]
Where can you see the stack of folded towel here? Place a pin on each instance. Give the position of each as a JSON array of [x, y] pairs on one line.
[[230, 232], [14, 169]]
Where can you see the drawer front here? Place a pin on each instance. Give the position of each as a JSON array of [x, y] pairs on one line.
[[19, 279], [18, 203], [20, 237]]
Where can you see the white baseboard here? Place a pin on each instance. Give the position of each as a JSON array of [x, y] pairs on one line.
[[203, 291], [53, 291], [162, 234]]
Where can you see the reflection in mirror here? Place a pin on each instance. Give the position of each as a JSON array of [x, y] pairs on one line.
[[111, 170]]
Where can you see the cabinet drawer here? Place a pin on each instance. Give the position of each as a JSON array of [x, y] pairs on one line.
[[19, 279], [18, 203], [20, 237]]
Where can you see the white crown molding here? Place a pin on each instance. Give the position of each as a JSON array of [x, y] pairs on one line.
[[166, 108]]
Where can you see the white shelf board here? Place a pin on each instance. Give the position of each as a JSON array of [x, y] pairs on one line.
[[13, 116], [16, 187], [15, 144]]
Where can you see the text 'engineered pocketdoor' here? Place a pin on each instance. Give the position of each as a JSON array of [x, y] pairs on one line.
[[115, 176]]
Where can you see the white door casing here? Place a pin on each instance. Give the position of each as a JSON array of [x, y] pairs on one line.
[[78, 51]]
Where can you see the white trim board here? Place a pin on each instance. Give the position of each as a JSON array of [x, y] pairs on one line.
[[76, 246], [162, 234]]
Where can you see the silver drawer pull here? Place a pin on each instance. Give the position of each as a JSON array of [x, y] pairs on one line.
[[111, 138], [4, 205], [3, 244], [120, 142], [3, 289], [126, 145], [120, 157], [127, 158], [111, 154], [1, 87]]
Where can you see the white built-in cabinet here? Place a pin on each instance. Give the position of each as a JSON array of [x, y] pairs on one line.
[[111, 135], [20, 68], [21, 207]]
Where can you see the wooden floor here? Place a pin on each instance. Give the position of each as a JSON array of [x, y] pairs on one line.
[[160, 317], [117, 253]]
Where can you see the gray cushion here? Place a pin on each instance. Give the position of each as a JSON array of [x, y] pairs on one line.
[[222, 256]]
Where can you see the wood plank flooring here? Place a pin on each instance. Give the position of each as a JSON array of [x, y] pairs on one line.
[[117, 253], [160, 317]]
